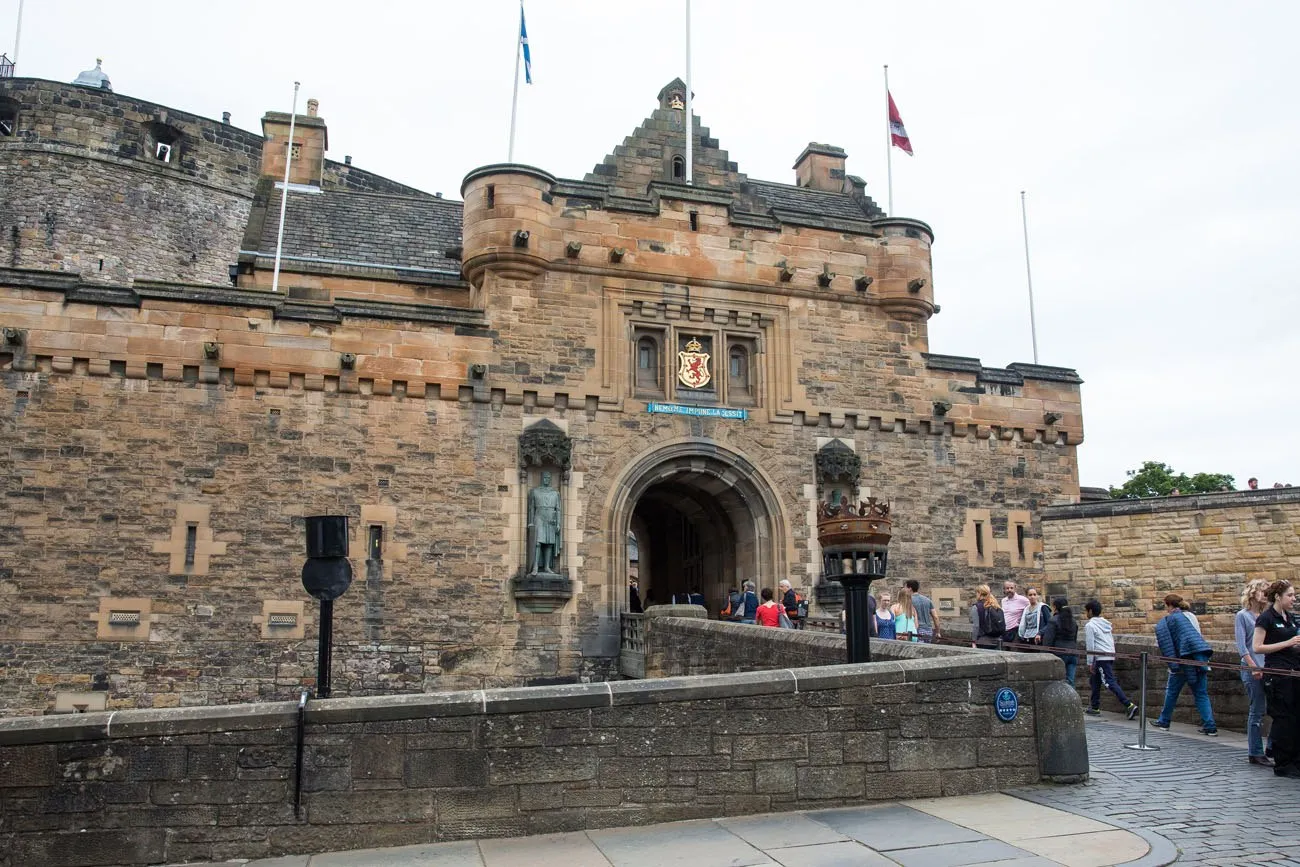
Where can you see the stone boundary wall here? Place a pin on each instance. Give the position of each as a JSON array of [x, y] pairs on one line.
[[147, 786], [1227, 696], [1129, 553]]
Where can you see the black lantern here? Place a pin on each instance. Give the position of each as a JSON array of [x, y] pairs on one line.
[[855, 552], [326, 575]]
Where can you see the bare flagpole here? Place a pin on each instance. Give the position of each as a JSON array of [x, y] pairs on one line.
[[1029, 277], [18, 35], [284, 193], [889, 145], [690, 116], [514, 102]]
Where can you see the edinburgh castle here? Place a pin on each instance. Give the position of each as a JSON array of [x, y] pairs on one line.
[[691, 368]]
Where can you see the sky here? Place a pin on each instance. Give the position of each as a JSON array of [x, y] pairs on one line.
[[1156, 141]]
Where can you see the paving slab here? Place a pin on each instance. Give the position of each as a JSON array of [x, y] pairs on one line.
[[958, 854], [1096, 849], [782, 830], [460, 854], [894, 826], [691, 844], [848, 853], [1006, 817], [546, 850]]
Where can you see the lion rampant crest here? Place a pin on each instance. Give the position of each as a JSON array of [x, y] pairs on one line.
[[693, 370]]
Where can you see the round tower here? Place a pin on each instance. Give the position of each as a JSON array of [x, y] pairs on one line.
[[507, 221], [905, 285]]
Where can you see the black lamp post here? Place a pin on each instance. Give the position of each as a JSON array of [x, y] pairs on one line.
[[855, 552], [326, 575]]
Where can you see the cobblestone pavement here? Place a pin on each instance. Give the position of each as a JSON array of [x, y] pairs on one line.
[[1199, 793]]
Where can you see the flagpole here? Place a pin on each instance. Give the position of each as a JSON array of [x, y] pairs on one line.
[[18, 35], [1029, 277], [889, 146], [690, 116], [514, 102], [284, 194]]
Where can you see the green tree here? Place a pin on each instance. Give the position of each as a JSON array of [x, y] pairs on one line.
[[1155, 479]]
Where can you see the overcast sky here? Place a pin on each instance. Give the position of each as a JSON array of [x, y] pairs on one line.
[[1159, 143]]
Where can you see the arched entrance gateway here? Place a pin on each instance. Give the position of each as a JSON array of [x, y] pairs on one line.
[[704, 519]]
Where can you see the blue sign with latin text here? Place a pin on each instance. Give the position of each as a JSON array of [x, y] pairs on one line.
[[1006, 704], [706, 411]]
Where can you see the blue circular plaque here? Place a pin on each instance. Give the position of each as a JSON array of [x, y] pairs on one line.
[[1006, 704]]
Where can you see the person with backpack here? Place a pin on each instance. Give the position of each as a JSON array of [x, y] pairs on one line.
[[795, 608], [731, 611], [987, 622], [748, 603], [1100, 644], [1061, 634], [904, 615], [1179, 640], [1032, 621]]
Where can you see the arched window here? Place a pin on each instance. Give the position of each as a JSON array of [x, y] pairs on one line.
[[739, 366], [647, 363], [740, 373], [679, 169]]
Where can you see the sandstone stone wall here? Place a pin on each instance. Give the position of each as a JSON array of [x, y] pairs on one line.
[[1129, 553], [141, 787], [81, 189]]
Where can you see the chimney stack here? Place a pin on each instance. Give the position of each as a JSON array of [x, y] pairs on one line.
[[225, 117], [313, 106], [310, 139], [821, 167]]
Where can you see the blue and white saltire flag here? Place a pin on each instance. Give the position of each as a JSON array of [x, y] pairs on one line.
[[523, 41]]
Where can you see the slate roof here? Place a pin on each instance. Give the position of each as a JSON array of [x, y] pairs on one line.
[[787, 197], [368, 228]]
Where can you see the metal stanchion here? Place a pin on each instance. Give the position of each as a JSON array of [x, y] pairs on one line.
[[1142, 716]]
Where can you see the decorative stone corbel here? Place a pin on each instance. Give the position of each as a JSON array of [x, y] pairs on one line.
[[211, 350], [1051, 418], [786, 272], [521, 238], [826, 276], [916, 284], [863, 283], [941, 407], [572, 249], [617, 253]]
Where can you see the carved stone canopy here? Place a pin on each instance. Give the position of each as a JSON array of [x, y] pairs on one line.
[[836, 462], [544, 444]]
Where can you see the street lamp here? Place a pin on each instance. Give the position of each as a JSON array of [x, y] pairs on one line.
[[855, 552], [326, 575]]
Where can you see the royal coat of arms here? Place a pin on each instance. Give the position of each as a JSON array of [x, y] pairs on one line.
[[693, 371]]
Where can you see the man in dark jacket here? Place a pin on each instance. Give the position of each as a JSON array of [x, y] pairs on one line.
[[1179, 639]]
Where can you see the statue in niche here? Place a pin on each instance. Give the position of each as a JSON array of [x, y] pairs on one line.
[[544, 526]]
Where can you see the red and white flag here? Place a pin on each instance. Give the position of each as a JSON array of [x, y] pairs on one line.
[[897, 132]]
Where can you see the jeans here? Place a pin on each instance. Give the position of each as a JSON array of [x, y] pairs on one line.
[[1199, 680], [1071, 662], [1255, 718], [1103, 671]]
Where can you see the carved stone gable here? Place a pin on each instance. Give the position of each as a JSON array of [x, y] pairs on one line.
[[544, 444], [836, 462]]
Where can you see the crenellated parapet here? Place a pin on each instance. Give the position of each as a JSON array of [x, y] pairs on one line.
[[520, 221]]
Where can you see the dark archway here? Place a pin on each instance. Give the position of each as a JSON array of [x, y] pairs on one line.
[[704, 518]]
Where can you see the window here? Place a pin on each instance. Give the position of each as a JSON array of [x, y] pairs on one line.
[[679, 169], [648, 371], [295, 151], [979, 539], [695, 221], [491, 195], [8, 118], [191, 543], [375, 543], [740, 372], [165, 142]]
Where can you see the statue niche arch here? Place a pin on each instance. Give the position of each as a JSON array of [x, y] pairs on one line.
[[704, 519], [543, 583]]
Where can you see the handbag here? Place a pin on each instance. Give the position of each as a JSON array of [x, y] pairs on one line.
[[783, 620]]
